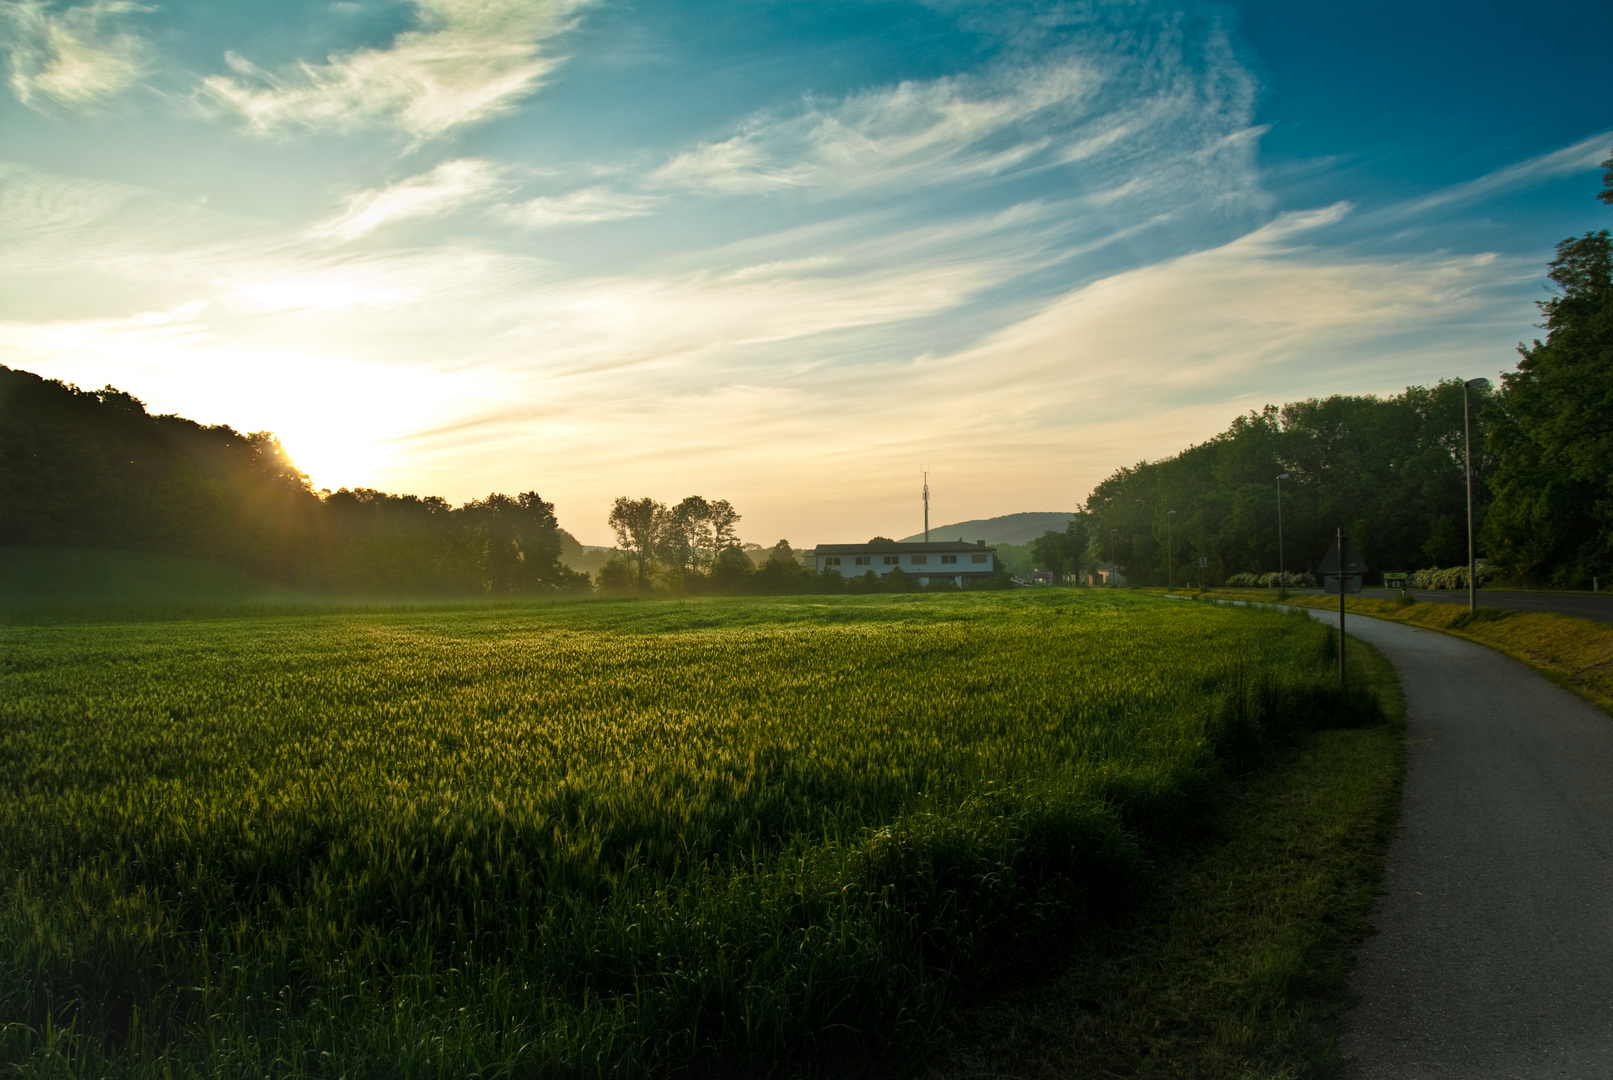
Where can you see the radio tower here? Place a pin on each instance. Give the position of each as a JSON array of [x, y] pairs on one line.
[[926, 505]]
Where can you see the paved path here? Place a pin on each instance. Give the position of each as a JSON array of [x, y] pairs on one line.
[[1494, 951]]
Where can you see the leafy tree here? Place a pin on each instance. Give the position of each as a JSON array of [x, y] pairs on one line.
[[617, 577], [782, 572], [696, 531], [732, 570], [1552, 520], [1389, 470], [640, 526], [1062, 552]]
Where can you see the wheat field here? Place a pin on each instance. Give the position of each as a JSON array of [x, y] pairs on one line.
[[594, 839]]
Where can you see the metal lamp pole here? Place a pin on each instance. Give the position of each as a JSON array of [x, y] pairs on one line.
[[1170, 565], [1282, 571], [1467, 438]]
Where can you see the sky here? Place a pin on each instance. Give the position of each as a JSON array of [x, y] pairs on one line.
[[785, 254]]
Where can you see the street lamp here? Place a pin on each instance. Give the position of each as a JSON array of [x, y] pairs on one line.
[[1467, 438], [1282, 571], [1170, 567]]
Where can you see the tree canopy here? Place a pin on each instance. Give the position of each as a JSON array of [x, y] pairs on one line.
[[94, 469], [1552, 519], [1388, 470]]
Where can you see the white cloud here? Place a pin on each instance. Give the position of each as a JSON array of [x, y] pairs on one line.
[[443, 190], [579, 207], [942, 128], [1583, 156], [1103, 111], [469, 60], [74, 58]]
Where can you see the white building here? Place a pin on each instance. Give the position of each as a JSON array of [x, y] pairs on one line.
[[953, 559]]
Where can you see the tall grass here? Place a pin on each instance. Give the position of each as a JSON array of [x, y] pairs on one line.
[[597, 839]]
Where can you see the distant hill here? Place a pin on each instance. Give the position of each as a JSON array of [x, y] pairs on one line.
[[1008, 529]]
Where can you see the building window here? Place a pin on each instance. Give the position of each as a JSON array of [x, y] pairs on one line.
[[977, 558], [833, 560], [919, 560], [862, 560], [947, 560], [892, 560]]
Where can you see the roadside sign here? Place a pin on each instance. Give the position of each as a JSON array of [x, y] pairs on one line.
[[1352, 568], [1393, 580], [1204, 560]]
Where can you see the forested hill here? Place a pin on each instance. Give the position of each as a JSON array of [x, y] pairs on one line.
[[94, 469], [1019, 528]]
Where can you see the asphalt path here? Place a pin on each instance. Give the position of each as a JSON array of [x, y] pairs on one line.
[[1493, 955]]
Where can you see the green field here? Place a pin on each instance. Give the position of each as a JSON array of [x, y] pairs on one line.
[[601, 838]]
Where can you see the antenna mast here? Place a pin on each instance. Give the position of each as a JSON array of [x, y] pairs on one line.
[[926, 473]]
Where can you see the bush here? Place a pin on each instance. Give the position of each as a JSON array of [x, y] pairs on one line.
[[1452, 577], [1273, 580]]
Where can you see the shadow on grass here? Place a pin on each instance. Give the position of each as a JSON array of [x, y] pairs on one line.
[[1236, 966]]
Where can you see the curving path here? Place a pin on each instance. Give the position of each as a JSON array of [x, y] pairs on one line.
[[1494, 951]]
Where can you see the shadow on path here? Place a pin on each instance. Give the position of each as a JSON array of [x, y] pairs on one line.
[[1494, 951]]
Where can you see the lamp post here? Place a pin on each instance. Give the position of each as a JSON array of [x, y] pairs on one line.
[[1467, 439], [1282, 571], [1170, 566], [1112, 534]]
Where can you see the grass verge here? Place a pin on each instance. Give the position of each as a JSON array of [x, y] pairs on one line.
[[1236, 965], [1574, 653]]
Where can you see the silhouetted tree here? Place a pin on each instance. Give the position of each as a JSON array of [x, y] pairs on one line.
[[639, 525]]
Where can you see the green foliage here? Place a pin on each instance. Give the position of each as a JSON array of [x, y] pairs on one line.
[[1063, 552], [94, 470], [593, 839], [1273, 580], [1452, 577], [1389, 470], [1552, 520]]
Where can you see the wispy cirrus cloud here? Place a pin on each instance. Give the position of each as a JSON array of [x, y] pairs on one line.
[[579, 208], [77, 58], [1103, 112], [441, 191], [470, 59], [943, 128], [1582, 156]]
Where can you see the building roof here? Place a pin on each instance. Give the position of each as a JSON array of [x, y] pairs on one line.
[[943, 546]]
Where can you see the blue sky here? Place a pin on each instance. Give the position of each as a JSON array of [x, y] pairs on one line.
[[780, 253]]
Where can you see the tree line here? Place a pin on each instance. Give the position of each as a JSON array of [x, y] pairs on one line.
[[1390, 471], [694, 548], [94, 469]]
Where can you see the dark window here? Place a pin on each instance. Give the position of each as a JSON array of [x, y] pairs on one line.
[[862, 560], [977, 558], [948, 559], [920, 560]]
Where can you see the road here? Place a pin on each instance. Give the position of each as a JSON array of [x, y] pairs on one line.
[[1494, 950]]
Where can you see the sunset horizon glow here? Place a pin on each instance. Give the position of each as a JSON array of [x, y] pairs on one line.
[[779, 254]]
